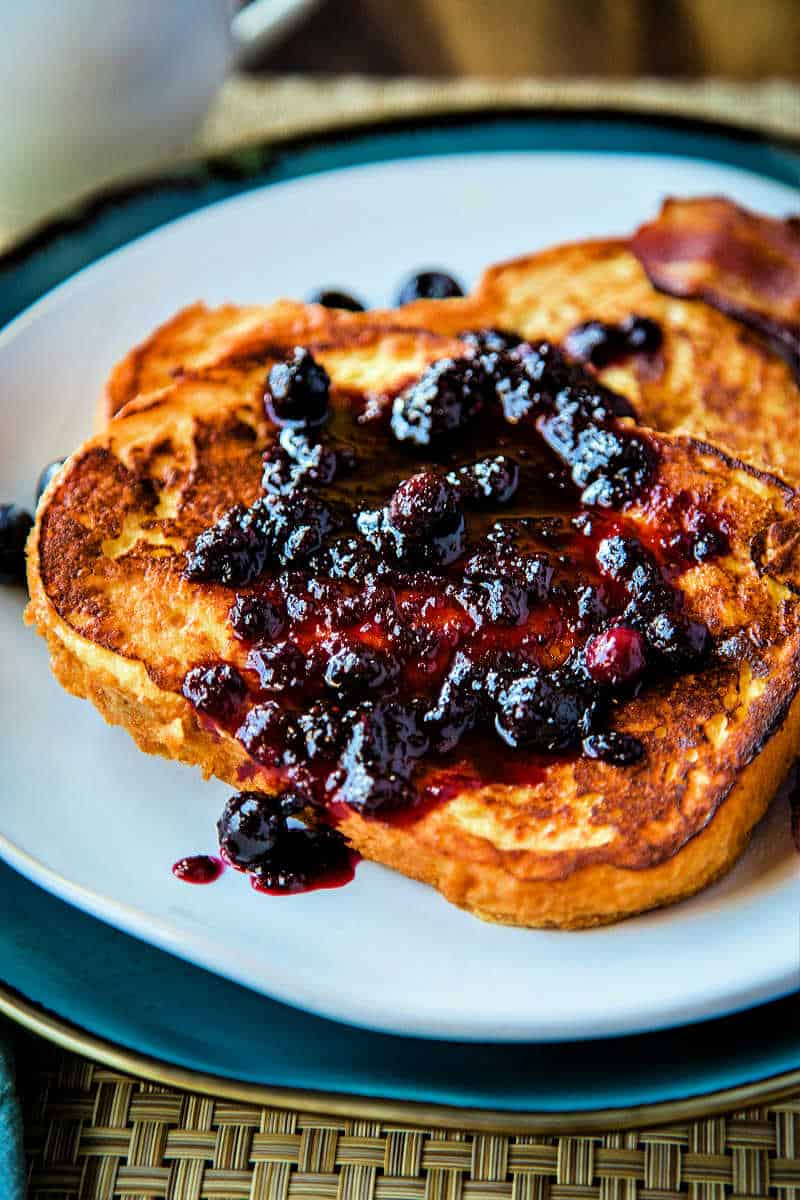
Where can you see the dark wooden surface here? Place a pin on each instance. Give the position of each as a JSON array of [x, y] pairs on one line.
[[739, 39]]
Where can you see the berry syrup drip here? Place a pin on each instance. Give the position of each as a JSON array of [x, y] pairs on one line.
[[447, 576], [198, 868], [254, 836]]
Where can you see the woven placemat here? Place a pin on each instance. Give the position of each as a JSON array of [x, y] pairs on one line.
[[95, 1134]]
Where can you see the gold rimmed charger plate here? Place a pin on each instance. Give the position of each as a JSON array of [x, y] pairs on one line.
[[78, 1041]]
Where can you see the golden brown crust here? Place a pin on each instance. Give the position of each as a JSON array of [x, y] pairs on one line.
[[591, 842], [713, 379], [595, 894]]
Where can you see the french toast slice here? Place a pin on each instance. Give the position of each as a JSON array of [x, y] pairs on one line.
[[712, 377], [503, 795]]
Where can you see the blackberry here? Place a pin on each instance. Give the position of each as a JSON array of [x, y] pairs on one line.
[[217, 690], [610, 466], [233, 551], [497, 602], [347, 558], [15, 525], [592, 606], [375, 766], [443, 400], [439, 547], [626, 561], [297, 391], [297, 524], [508, 565], [489, 481], [601, 344], [541, 711], [297, 462], [331, 298], [256, 618], [250, 825], [619, 749], [429, 285]]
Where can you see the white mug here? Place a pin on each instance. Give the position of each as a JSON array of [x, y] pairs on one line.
[[91, 90]]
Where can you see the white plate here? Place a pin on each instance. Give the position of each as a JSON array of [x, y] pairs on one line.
[[89, 817]]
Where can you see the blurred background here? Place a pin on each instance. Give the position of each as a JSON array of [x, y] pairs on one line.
[[97, 91], [738, 39]]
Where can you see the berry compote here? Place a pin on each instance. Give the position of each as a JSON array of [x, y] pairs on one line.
[[440, 578]]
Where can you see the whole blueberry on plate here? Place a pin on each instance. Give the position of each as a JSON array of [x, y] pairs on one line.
[[47, 474], [15, 525], [332, 298], [429, 285]]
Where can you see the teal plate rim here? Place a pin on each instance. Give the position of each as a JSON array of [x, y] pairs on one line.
[[79, 974], [115, 216], [94, 989]]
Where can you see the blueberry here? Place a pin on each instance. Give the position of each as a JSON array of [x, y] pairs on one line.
[[620, 749], [297, 391], [354, 667], [48, 473], [448, 394], [323, 732], [256, 618], [331, 298], [217, 690], [15, 525], [280, 666], [267, 734], [422, 504], [642, 335], [682, 643], [429, 285], [250, 825], [596, 342]]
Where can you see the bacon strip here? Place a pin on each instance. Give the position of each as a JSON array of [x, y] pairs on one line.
[[746, 265]]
